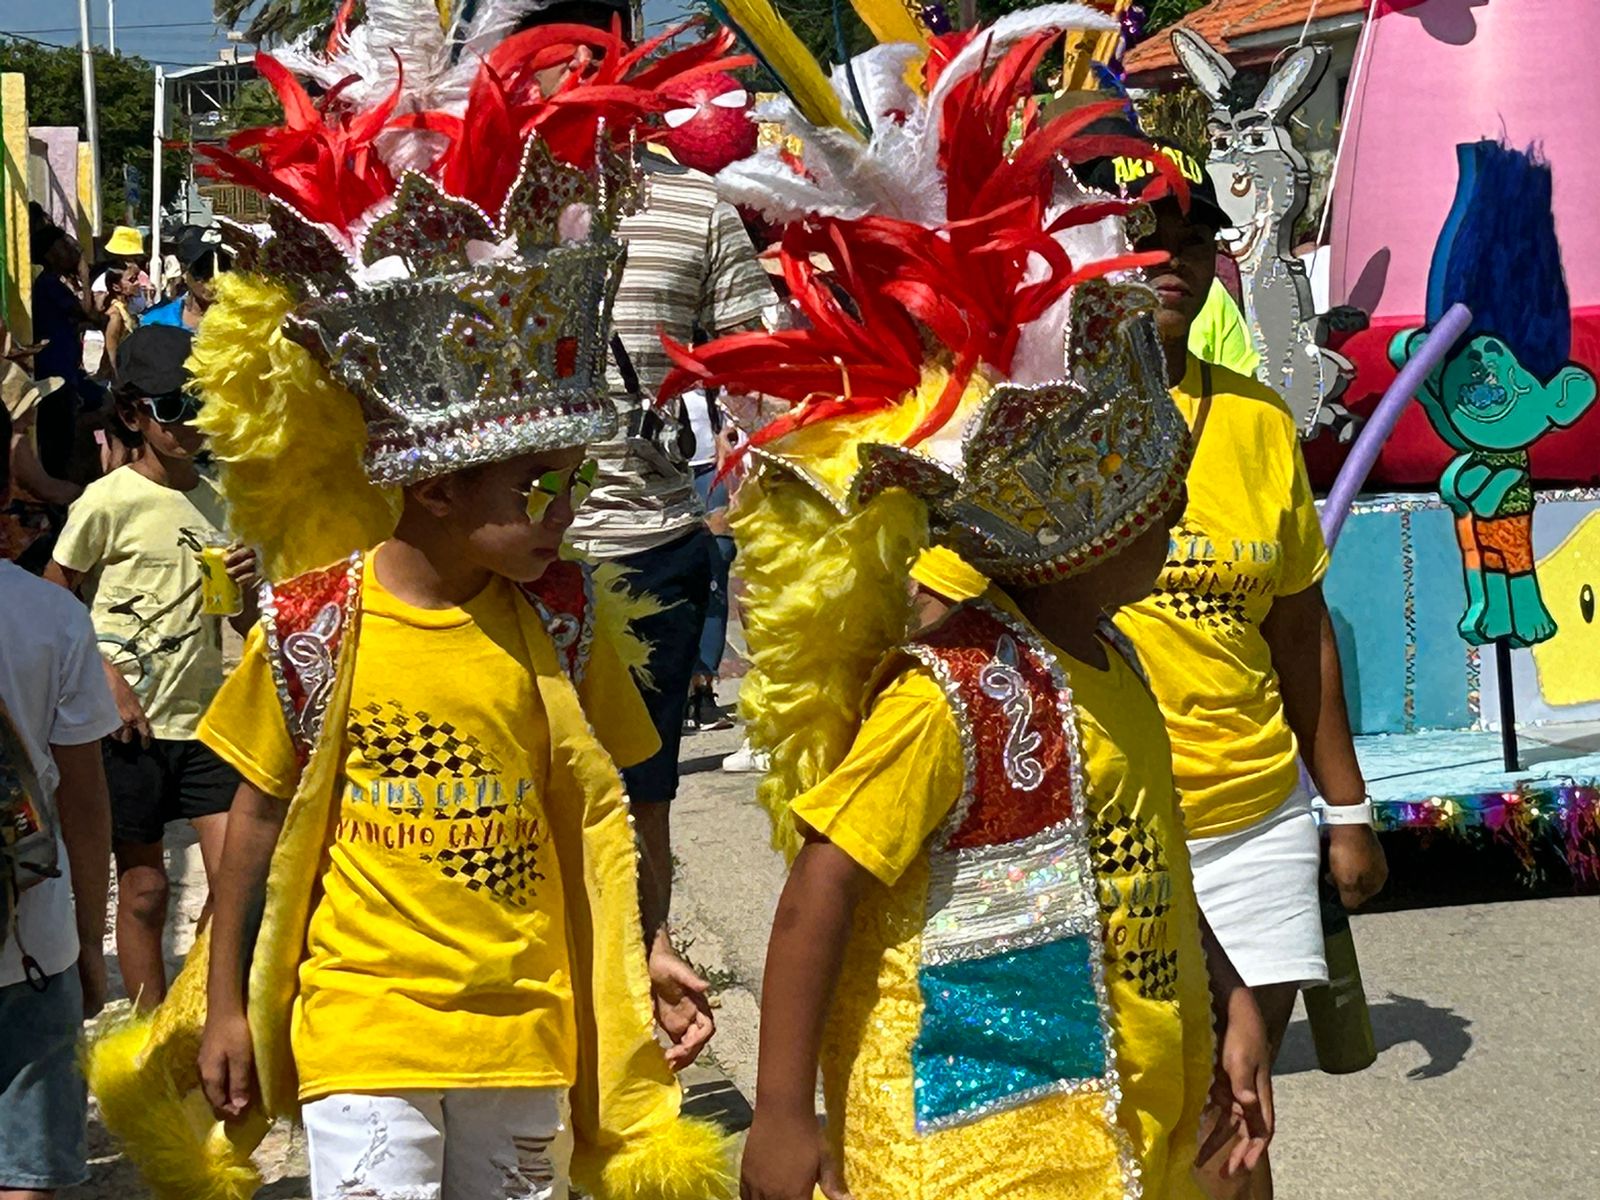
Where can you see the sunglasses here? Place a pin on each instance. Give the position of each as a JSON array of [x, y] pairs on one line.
[[552, 485], [172, 408]]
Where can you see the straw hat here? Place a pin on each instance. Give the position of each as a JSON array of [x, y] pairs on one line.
[[22, 392]]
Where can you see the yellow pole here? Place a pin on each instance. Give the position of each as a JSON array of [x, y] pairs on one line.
[[1084, 47], [86, 232], [18, 260]]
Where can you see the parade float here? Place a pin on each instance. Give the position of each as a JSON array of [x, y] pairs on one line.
[[1463, 329]]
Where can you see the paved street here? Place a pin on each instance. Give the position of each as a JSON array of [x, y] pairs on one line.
[[1485, 1088]]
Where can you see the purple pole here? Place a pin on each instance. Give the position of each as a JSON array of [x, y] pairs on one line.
[[1384, 418]]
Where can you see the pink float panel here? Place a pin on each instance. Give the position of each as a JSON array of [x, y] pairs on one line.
[[1438, 73]]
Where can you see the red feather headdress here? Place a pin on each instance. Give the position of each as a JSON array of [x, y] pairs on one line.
[[329, 161], [964, 288]]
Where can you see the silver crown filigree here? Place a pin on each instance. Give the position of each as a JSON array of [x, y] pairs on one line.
[[1054, 477], [491, 339]]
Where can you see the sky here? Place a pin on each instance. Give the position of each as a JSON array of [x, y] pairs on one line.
[[172, 33]]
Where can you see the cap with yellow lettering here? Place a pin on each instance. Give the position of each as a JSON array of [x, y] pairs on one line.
[[1124, 176]]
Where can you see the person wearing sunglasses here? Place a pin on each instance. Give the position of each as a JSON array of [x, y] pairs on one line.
[[128, 545], [203, 257]]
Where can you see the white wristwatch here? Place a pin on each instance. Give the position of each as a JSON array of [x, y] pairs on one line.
[[1345, 814]]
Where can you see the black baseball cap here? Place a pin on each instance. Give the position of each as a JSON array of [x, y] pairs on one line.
[[151, 360], [1124, 175], [194, 243]]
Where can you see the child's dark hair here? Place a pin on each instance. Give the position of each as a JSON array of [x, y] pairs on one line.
[[124, 397], [5, 449]]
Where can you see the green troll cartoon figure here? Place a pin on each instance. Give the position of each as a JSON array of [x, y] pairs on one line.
[[1505, 384]]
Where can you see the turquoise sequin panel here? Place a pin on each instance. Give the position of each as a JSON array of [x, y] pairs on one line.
[[999, 1029]]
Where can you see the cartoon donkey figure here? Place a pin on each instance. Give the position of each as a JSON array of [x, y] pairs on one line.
[[1262, 183]]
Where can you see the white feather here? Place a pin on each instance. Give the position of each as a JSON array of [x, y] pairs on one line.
[[494, 21], [896, 171]]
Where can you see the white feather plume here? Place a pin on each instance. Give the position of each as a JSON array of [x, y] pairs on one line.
[[439, 62], [895, 172]]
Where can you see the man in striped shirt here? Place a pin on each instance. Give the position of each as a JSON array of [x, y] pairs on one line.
[[691, 273]]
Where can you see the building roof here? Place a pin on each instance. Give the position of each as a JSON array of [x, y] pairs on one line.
[[1247, 31]]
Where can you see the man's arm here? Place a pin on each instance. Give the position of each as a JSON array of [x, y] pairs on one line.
[[1299, 633], [84, 808], [227, 1057]]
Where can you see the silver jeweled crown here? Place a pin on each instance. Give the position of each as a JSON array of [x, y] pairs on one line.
[[467, 338], [1054, 477]]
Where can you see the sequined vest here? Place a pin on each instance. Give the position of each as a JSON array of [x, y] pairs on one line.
[[1014, 1003], [305, 620]]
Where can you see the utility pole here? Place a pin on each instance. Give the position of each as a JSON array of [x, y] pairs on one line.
[[111, 26], [157, 136], [91, 121]]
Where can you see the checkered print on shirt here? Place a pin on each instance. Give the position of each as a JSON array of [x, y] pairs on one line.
[[505, 871], [413, 745]]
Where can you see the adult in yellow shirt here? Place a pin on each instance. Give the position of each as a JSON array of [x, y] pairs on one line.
[[1240, 653], [1219, 334]]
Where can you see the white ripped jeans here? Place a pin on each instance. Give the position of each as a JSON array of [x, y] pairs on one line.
[[457, 1144]]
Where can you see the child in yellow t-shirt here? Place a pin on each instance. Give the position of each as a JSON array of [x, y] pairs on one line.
[[426, 942], [844, 958], [435, 990]]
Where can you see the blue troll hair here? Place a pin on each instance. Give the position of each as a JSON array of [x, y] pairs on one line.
[[1498, 254]]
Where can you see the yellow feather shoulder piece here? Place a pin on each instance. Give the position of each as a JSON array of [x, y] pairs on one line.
[[289, 440], [617, 610], [141, 1071], [685, 1159], [826, 597]]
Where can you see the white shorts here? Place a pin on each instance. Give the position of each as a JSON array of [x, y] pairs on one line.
[[1258, 890], [459, 1144]]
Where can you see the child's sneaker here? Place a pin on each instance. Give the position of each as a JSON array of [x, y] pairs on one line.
[[747, 760]]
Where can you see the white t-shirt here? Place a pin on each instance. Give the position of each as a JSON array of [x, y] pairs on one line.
[[55, 689], [705, 437]]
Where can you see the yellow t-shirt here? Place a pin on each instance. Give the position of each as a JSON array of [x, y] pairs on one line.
[[436, 954], [126, 534], [1249, 535], [900, 779]]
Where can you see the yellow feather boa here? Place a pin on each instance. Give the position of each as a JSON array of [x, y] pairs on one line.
[[826, 595], [289, 440]]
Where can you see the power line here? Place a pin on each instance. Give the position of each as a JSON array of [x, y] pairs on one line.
[[152, 25]]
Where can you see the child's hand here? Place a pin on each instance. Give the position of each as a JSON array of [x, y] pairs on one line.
[[134, 722], [227, 1065], [683, 1009], [1242, 1093], [786, 1158], [92, 978], [243, 568]]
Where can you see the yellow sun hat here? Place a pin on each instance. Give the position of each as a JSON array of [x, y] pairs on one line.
[[125, 242]]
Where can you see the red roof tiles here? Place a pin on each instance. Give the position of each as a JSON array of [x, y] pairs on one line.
[[1221, 21]]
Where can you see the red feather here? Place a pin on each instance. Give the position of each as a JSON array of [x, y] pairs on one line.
[[322, 160]]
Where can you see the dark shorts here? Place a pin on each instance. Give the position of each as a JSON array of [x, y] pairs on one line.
[[679, 576], [44, 1109], [152, 786]]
